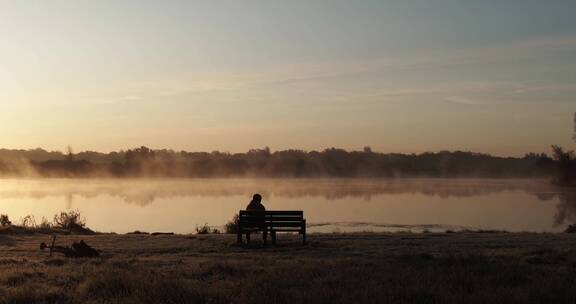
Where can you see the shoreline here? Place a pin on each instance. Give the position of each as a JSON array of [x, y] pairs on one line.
[[23, 231]]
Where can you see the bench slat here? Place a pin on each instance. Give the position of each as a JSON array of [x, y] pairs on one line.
[[284, 218], [259, 220], [272, 213], [287, 224], [286, 230], [275, 212], [259, 216], [252, 221], [273, 224]]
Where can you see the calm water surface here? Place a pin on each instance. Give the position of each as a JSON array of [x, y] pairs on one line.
[[329, 204]]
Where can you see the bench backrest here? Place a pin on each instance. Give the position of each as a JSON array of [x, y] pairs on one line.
[[267, 217]]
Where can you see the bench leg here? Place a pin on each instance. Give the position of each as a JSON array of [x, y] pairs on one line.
[[248, 237], [265, 236], [273, 233], [239, 237], [304, 233]]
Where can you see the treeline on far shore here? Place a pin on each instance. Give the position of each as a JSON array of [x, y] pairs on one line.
[[145, 162]]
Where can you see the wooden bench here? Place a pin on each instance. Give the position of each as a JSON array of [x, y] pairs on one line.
[[270, 222]]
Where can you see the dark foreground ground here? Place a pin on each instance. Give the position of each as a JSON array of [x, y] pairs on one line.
[[332, 268]]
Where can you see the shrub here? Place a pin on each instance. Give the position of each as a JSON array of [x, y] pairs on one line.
[[232, 226], [71, 220], [205, 229], [4, 220], [45, 224], [28, 221], [566, 164], [570, 229]]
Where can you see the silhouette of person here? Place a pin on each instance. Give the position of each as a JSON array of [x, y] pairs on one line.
[[257, 220], [256, 203]]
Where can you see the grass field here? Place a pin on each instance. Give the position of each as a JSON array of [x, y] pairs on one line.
[[332, 268]]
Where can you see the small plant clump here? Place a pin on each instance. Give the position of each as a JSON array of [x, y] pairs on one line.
[[570, 229], [63, 222], [232, 226], [71, 220], [45, 224], [205, 229], [4, 220], [28, 222]]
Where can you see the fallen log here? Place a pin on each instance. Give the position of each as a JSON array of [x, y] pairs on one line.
[[77, 250]]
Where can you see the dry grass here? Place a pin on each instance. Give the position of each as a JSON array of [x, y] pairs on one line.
[[70, 222], [333, 268]]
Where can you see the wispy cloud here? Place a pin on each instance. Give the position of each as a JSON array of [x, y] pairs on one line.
[[463, 100], [344, 80], [555, 87]]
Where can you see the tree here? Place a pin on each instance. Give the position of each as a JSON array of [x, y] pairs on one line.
[[566, 162], [69, 154]]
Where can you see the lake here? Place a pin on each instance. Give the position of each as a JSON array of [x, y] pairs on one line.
[[330, 205]]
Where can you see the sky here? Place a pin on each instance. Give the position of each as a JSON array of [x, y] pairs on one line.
[[409, 76]]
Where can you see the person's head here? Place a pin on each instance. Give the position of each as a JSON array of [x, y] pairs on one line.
[[257, 198]]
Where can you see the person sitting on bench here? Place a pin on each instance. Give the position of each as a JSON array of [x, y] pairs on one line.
[[258, 220], [256, 203]]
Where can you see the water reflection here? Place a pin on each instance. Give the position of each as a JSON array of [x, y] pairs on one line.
[[330, 204], [145, 192]]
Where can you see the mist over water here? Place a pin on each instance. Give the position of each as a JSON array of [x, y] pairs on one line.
[[178, 205]]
